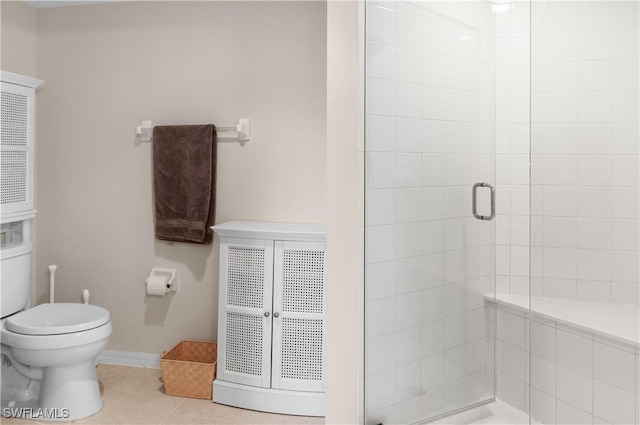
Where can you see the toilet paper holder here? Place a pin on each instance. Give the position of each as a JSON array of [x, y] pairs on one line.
[[171, 276]]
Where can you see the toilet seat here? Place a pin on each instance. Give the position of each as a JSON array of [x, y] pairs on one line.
[[47, 342], [57, 319]]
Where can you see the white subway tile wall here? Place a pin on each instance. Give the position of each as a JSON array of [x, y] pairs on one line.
[[584, 142], [584, 207], [429, 137], [575, 377]]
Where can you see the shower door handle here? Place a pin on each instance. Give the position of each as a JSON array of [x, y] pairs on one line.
[[474, 201]]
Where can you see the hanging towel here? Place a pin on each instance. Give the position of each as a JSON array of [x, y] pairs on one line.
[[184, 182]]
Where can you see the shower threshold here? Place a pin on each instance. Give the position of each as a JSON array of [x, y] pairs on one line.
[[497, 412]]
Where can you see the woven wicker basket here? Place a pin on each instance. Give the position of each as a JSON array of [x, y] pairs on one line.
[[188, 370]]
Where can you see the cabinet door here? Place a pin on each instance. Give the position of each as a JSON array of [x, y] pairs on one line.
[[244, 331], [298, 316], [16, 148]]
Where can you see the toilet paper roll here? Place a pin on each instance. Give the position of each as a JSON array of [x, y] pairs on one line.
[[157, 285]]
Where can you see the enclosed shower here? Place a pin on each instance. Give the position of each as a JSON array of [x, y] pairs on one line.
[[502, 189]]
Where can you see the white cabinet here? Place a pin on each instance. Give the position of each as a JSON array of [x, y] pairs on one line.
[[271, 317], [17, 97]]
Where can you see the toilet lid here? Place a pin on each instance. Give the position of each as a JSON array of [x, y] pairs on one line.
[[58, 318]]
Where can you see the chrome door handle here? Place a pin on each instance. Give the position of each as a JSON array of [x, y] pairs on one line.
[[474, 201]]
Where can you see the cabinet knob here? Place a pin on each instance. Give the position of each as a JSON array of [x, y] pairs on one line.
[[266, 314], [276, 315]]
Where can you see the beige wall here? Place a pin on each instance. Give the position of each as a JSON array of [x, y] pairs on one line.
[[106, 68], [345, 212], [18, 34]]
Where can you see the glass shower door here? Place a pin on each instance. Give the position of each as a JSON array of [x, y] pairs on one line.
[[430, 137], [584, 212]]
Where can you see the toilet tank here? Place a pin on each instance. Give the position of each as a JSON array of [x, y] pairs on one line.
[[15, 278]]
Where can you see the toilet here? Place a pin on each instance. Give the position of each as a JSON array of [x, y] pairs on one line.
[[49, 351]]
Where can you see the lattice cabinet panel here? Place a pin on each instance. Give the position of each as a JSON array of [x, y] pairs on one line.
[[244, 340], [16, 148], [245, 286], [14, 174], [301, 349], [302, 281], [298, 329], [244, 344], [271, 331], [14, 118]]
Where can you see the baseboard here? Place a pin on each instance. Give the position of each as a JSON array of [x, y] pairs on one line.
[[128, 358]]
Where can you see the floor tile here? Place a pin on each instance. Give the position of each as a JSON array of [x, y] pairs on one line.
[[124, 416], [110, 376], [144, 391], [135, 396], [208, 410]]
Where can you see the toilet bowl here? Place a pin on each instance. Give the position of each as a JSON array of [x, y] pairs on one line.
[[49, 351], [55, 346]]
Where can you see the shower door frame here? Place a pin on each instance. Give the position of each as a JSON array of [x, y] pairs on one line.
[[487, 207]]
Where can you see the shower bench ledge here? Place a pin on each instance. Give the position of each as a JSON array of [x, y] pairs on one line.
[[609, 320]]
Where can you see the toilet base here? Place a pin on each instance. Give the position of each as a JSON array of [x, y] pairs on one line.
[[63, 365], [71, 391], [17, 387], [66, 393]]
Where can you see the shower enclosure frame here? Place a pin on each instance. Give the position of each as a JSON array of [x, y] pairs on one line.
[[564, 84], [475, 236]]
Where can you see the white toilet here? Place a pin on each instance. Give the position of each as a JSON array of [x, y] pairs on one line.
[[49, 351]]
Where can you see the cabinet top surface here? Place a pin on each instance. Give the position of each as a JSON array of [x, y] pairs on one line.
[[265, 229], [21, 80]]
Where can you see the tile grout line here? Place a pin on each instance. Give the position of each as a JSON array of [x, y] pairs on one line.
[[117, 385], [171, 413]]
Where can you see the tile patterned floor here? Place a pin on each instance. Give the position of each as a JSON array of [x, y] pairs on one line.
[[135, 396]]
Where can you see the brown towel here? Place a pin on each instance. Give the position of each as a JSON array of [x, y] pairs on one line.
[[184, 181]]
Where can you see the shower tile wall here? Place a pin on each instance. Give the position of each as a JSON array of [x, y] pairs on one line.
[[583, 75], [512, 71], [577, 377], [429, 137], [584, 144]]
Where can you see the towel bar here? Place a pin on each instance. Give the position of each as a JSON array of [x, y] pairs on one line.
[[241, 131]]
